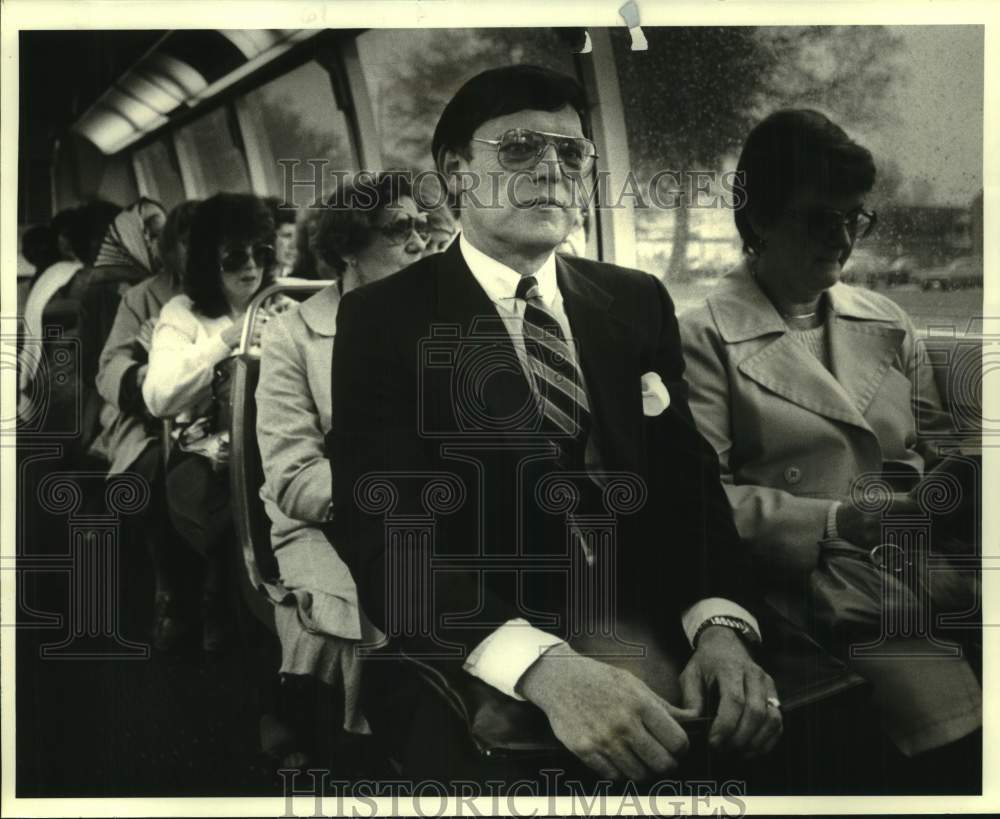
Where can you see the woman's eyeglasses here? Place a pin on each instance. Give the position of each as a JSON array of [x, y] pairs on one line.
[[238, 258], [520, 149], [399, 230], [825, 224]]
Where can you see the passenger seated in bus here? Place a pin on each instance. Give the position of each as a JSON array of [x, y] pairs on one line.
[[128, 254], [320, 622], [47, 248], [40, 248], [90, 224], [230, 259], [443, 227], [804, 384], [285, 233], [130, 436]]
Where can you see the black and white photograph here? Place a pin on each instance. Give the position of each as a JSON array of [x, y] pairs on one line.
[[447, 409]]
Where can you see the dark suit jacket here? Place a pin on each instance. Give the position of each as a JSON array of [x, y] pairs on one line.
[[426, 382]]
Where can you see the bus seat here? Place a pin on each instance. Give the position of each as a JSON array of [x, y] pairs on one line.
[[259, 581], [957, 364], [247, 473]]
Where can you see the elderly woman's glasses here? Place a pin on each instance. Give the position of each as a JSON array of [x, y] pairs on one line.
[[520, 149], [825, 224], [399, 230], [238, 258]]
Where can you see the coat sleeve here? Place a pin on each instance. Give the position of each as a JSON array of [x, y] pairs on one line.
[[783, 531], [118, 355], [292, 447], [180, 365]]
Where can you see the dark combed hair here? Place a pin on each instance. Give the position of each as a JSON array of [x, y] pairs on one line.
[[791, 150], [501, 91], [226, 218], [174, 238], [40, 246], [89, 225], [349, 218]]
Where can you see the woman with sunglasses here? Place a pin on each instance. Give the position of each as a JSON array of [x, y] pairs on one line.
[[805, 386], [368, 230], [230, 259]]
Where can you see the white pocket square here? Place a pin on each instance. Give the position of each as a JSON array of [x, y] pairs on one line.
[[655, 397]]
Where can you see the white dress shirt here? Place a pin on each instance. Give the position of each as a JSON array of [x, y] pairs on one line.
[[503, 657]]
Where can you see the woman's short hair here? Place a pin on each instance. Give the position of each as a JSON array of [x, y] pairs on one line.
[[174, 238], [791, 150], [226, 218], [501, 91], [349, 219]]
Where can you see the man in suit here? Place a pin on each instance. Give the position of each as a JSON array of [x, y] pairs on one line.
[[515, 376]]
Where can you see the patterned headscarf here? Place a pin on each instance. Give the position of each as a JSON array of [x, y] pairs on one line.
[[125, 242]]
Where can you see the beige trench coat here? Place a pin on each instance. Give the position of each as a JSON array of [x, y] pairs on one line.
[[793, 437]]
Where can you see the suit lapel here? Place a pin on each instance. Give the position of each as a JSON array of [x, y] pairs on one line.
[[604, 346]]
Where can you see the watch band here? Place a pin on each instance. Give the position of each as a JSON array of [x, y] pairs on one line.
[[741, 627]]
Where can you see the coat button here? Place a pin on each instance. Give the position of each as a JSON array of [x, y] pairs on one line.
[[793, 474]]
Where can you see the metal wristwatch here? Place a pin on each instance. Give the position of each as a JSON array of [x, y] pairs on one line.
[[741, 627]]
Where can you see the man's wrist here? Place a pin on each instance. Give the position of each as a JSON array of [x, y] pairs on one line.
[[721, 623], [536, 680]]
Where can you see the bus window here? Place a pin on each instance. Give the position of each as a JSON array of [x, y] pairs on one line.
[[687, 112], [208, 151], [157, 174], [411, 74], [294, 117]]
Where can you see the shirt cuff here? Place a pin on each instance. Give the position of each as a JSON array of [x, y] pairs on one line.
[[502, 658], [830, 532], [697, 614]]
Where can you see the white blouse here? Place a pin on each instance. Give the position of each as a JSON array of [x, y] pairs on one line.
[[186, 347]]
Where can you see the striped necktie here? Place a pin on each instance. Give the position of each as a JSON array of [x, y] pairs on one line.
[[557, 378]]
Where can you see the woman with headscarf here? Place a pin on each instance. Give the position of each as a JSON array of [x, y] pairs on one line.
[[129, 434], [128, 254]]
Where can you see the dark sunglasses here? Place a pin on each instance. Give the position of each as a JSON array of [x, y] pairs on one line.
[[520, 149], [238, 258], [824, 224], [399, 231]]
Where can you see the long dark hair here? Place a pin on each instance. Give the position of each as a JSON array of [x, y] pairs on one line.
[[226, 218]]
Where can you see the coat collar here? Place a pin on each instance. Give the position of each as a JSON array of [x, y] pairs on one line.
[[742, 311], [319, 311], [163, 288], [864, 340]]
